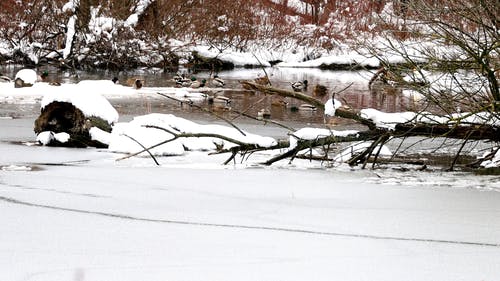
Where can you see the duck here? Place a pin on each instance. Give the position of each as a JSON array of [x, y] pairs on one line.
[[5, 79], [43, 77], [198, 84], [264, 114], [178, 77], [299, 86], [184, 82], [307, 107], [135, 83], [320, 90], [217, 82], [262, 80], [138, 84], [279, 102], [218, 99]]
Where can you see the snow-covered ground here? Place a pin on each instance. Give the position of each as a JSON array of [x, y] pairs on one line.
[[79, 214]]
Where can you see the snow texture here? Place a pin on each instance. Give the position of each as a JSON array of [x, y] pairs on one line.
[[77, 214], [86, 97], [47, 137], [70, 33], [125, 136], [132, 20], [29, 76], [317, 133], [387, 120]]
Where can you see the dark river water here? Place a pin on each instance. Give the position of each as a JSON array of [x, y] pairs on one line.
[[356, 95]]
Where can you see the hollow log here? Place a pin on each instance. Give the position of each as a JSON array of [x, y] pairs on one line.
[[61, 117]]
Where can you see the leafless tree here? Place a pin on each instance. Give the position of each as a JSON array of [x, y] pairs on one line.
[[29, 32]]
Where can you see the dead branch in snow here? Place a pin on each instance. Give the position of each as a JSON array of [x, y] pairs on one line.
[[144, 149], [303, 144], [241, 146], [452, 131]]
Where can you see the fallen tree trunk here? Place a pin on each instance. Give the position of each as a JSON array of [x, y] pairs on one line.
[[281, 92], [342, 112], [376, 136], [64, 117], [463, 131], [454, 131], [325, 141], [458, 131]]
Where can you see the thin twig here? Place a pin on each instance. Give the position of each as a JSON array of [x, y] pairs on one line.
[[262, 67], [379, 150], [144, 149], [149, 148], [345, 88], [455, 159], [202, 135], [240, 113]]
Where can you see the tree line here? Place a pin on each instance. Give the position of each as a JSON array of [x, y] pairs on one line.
[[36, 32]]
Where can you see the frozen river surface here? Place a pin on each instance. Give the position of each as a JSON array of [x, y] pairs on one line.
[[77, 214]]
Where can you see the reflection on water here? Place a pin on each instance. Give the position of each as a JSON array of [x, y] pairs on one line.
[[356, 95]]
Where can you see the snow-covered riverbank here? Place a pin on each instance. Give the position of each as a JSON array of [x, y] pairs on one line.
[[77, 214]]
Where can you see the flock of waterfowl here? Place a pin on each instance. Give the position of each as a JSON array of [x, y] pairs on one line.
[[27, 77]]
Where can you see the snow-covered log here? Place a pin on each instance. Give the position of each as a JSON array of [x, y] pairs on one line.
[[75, 113], [64, 117]]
